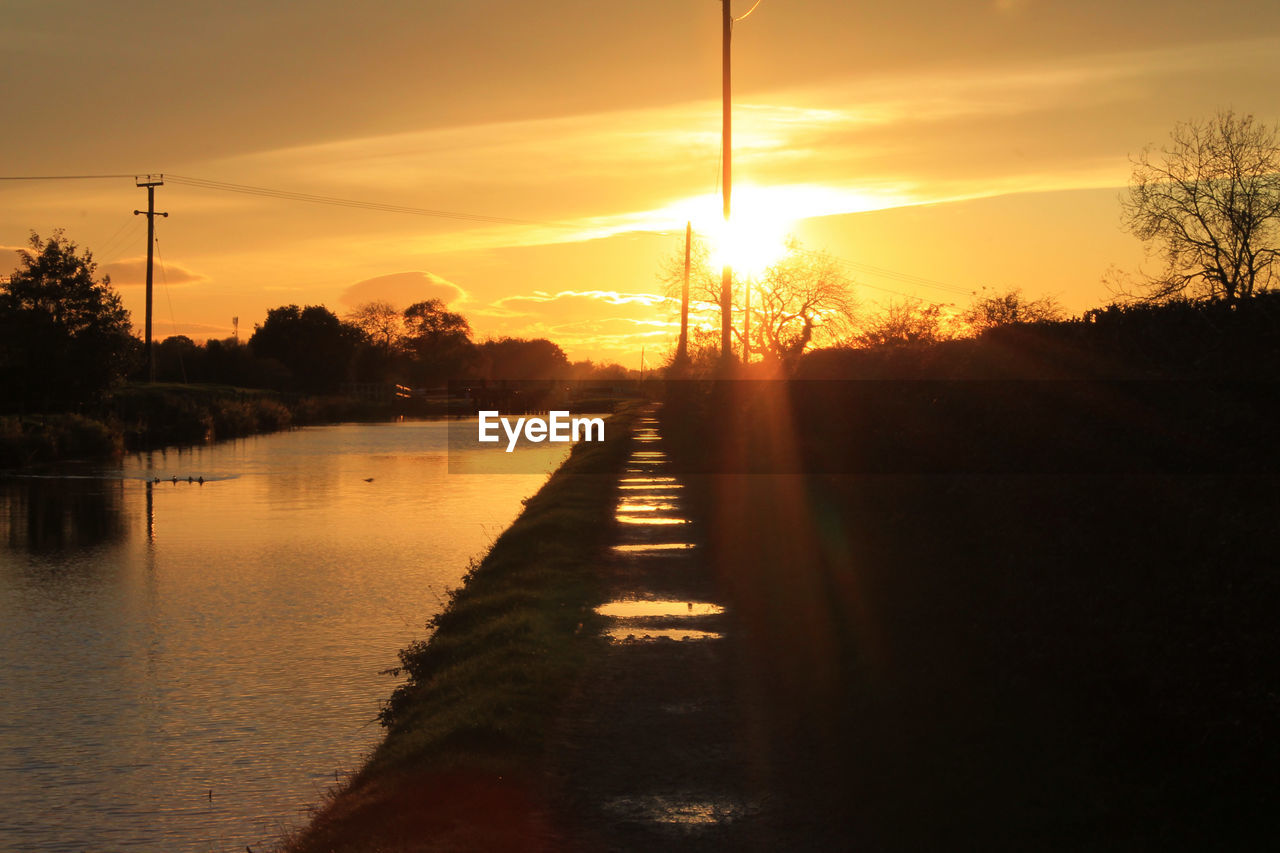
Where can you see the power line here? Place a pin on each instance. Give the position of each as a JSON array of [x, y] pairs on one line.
[[889, 273], [289, 195], [60, 177], [749, 11], [905, 278]]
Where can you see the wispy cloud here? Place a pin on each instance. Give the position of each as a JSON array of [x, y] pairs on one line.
[[846, 146], [133, 271], [403, 289]]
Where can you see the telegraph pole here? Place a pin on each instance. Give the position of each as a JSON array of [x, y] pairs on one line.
[[150, 182], [726, 280], [682, 350]]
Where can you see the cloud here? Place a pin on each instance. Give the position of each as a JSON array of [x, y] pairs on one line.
[[575, 300], [132, 271], [871, 141], [403, 289], [196, 331], [586, 323]]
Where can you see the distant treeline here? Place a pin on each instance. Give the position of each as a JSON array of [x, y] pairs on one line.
[[312, 350], [1175, 339], [1175, 388], [66, 344]]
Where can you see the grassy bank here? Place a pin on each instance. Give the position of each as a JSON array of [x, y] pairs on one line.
[[466, 733], [139, 417], [28, 440]]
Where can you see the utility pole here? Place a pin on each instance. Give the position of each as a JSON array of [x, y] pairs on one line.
[[682, 350], [150, 182], [726, 280]]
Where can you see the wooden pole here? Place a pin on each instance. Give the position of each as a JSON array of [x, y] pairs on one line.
[[682, 350], [726, 280], [150, 182]]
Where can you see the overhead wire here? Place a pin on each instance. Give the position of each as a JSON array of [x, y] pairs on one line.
[[289, 195], [173, 320], [60, 177], [748, 12]]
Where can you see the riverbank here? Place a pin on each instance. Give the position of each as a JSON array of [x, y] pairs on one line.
[[140, 417], [461, 764]]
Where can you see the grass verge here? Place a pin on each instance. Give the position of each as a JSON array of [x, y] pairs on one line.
[[466, 733]]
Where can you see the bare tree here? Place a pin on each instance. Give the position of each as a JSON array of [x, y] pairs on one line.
[[804, 298], [1003, 309], [904, 323], [1209, 204], [381, 321]]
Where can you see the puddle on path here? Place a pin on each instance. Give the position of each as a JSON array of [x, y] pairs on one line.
[[685, 812], [630, 632], [629, 505], [658, 486], [649, 520], [655, 546], [624, 608], [648, 480]]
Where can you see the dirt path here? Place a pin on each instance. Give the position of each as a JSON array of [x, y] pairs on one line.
[[653, 750]]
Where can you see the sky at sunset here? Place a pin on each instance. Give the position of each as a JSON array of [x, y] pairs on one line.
[[935, 148]]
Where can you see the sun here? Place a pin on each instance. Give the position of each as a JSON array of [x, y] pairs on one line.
[[756, 236], [749, 242]]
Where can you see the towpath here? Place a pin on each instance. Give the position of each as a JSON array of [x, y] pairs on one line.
[[653, 750]]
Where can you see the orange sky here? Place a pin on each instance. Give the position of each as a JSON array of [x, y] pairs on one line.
[[971, 144]]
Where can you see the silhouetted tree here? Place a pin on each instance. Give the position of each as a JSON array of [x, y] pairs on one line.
[[517, 358], [440, 341], [382, 322], [179, 359], [311, 342], [1209, 203], [905, 323], [804, 298], [1003, 309], [64, 337]]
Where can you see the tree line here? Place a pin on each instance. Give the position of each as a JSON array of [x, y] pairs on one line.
[[66, 341], [1207, 205]]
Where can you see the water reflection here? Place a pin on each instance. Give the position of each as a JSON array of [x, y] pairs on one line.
[[162, 640], [626, 632], [45, 513], [631, 608], [649, 520], [628, 505]]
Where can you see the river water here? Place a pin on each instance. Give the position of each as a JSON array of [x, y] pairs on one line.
[[186, 666]]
